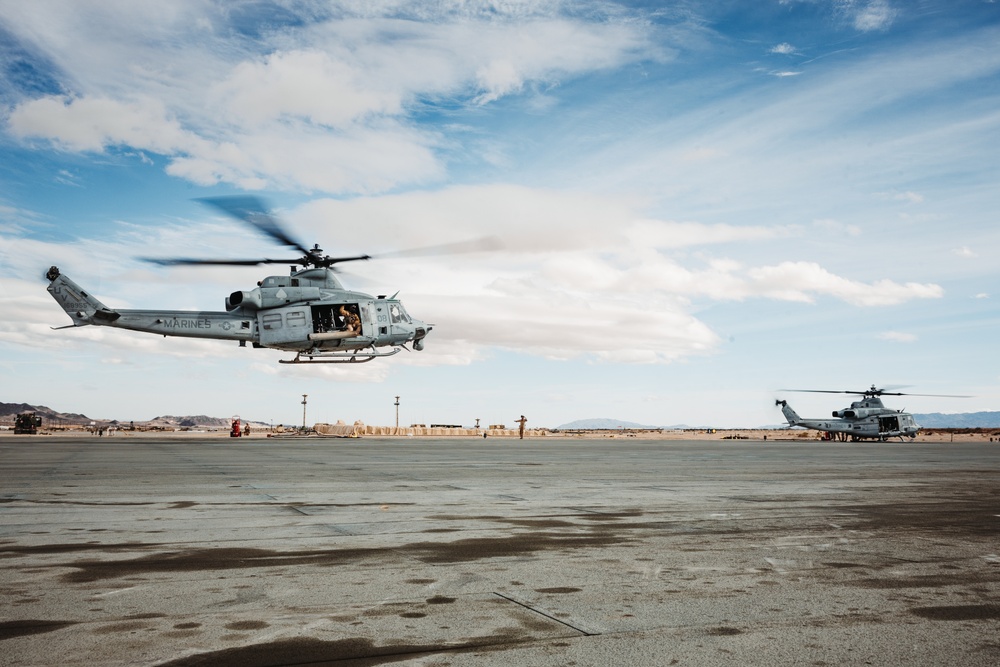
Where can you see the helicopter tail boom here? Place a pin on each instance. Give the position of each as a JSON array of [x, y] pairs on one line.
[[82, 308], [790, 415]]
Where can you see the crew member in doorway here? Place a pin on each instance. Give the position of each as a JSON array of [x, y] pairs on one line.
[[352, 322]]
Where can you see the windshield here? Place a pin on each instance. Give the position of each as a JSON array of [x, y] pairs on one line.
[[397, 313]]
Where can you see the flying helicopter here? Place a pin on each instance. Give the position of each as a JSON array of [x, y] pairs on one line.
[[864, 419], [308, 312]]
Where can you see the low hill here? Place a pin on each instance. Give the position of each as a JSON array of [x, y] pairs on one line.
[[602, 424], [191, 421], [959, 420], [929, 420], [9, 410], [51, 417]]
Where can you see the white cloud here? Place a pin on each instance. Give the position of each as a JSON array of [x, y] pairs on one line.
[[93, 123], [907, 196], [784, 48], [322, 107], [800, 281], [897, 337], [870, 15], [965, 251], [836, 227], [306, 84], [668, 234], [580, 276]]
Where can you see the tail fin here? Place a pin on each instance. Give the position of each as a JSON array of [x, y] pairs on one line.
[[82, 308], [792, 417]]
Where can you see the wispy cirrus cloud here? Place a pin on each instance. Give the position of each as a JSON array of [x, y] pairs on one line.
[[869, 15], [897, 337], [965, 252]]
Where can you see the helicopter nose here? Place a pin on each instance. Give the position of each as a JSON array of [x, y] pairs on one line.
[[420, 331]]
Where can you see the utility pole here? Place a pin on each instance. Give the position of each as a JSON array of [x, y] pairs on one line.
[[397, 412], [304, 411]]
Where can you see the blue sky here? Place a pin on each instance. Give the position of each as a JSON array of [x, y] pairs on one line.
[[700, 203]]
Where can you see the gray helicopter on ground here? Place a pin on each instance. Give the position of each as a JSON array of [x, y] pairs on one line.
[[308, 312], [865, 419]]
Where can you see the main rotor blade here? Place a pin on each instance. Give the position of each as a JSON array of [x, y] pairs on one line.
[[823, 391], [932, 395], [877, 392], [330, 261], [254, 212], [481, 244], [181, 261]]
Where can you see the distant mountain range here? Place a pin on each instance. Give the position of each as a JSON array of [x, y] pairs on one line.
[[9, 410], [51, 417], [605, 425], [930, 420], [959, 420]]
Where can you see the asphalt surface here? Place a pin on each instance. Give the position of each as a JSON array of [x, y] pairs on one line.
[[187, 551]]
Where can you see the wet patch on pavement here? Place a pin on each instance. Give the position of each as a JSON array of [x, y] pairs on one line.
[[965, 612], [355, 652], [558, 590], [11, 629]]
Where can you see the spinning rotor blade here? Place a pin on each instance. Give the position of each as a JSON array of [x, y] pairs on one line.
[[180, 261], [481, 244], [931, 395], [873, 392], [824, 391], [330, 261], [254, 212]]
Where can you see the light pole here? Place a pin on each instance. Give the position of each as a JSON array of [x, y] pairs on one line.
[[304, 411], [397, 412]]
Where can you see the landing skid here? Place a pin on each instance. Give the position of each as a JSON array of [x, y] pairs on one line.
[[339, 356]]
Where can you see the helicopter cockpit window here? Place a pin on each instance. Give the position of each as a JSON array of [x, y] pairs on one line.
[[271, 321], [397, 314]]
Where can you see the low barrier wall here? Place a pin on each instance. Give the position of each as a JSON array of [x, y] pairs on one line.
[[358, 429]]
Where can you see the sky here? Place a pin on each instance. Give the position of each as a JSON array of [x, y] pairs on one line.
[[700, 204]]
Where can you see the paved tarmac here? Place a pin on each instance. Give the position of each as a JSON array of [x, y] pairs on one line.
[[188, 551]]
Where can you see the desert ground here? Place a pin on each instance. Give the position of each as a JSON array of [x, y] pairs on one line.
[[795, 434], [197, 549]]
